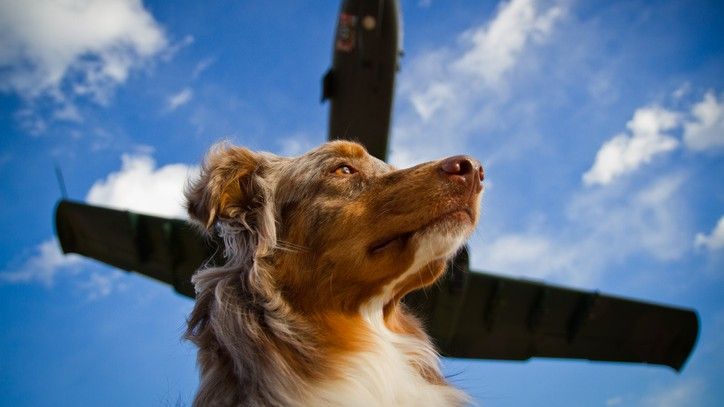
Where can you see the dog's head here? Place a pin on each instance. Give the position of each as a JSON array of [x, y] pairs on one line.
[[336, 227]]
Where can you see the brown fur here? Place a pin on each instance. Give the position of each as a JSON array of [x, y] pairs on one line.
[[307, 246]]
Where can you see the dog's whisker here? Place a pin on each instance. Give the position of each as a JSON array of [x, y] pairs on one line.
[[291, 247]]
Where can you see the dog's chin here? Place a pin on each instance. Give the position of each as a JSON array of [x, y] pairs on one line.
[[434, 242], [441, 237], [445, 236]]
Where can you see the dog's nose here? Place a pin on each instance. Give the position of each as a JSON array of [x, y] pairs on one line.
[[465, 167]]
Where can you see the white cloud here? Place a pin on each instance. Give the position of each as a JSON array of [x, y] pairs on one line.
[[449, 94], [179, 99], [429, 101], [614, 401], [714, 240], [682, 393], [69, 48], [654, 221], [42, 266], [68, 111], [102, 284], [682, 90], [706, 131], [140, 187], [452, 100], [531, 254], [47, 263], [625, 153], [171, 50], [202, 66], [603, 228], [496, 47], [648, 136], [620, 221]]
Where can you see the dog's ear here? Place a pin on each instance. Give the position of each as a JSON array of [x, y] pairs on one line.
[[226, 188]]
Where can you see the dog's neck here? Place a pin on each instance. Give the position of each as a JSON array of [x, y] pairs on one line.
[[263, 352]]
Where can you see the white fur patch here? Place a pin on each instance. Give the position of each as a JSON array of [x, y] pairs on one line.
[[385, 375]]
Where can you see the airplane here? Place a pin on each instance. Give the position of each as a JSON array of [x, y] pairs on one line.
[[469, 314]]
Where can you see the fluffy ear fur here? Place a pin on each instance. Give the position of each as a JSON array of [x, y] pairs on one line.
[[225, 188]]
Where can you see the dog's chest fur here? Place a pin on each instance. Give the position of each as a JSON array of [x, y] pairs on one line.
[[386, 374]]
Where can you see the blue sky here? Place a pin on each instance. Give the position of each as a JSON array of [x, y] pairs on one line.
[[600, 124]]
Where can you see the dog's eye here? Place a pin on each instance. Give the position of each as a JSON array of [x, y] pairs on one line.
[[344, 169]]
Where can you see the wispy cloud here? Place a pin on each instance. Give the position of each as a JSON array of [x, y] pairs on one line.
[[179, 99], [614, 401], [448, 94], [99, 285], [46, 264], [202, 66], [603, 227], [713, 240], [625, 153], [682, 393], [140, 186], [42, 265], [496, 48], [531, 254], [651, 133], [171, 50], [706, 129], [60, 50]]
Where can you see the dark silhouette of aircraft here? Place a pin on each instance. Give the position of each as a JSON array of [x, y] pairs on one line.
[[469, 314]]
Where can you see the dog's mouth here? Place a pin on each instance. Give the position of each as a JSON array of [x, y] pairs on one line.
[[400, 240]]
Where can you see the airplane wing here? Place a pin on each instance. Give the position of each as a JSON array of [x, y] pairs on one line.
[[469, 315], [486, 316], [167, 250]]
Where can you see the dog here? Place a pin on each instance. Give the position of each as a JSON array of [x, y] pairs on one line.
[[320, 249]]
